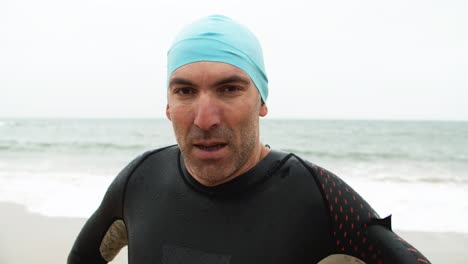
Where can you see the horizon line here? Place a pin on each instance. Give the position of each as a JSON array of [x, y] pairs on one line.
[[263, 118]]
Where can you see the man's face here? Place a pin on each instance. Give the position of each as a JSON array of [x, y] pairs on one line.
[[214, 108]]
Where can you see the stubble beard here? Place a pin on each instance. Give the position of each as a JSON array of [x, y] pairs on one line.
[[218, 171]]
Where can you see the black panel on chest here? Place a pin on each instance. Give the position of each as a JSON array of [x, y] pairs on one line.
[[279, 222]]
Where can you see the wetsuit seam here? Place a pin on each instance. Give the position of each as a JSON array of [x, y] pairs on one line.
[[270, 172], [280, 164], [326, 204], [145, 156]]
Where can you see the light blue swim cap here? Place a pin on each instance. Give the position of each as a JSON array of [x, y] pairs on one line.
[[218, 38]]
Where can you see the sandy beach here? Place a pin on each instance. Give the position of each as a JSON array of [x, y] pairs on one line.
[[32, 238]]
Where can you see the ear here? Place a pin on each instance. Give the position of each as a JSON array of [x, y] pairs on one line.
[[168, 113], [263, 110]]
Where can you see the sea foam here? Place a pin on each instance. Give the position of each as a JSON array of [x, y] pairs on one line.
[[427, 207]]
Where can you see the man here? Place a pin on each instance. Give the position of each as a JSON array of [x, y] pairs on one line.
[[220, 196]]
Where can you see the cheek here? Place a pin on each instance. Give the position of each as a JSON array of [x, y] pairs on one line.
[[249, 111], [244, 120], [181, 119], [179, 112]]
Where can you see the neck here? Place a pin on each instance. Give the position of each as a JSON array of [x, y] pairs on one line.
[[257, 155]]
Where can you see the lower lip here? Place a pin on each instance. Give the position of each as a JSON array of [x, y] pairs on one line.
[[214, 153]]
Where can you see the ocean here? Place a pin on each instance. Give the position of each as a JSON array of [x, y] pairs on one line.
[[415, 170]]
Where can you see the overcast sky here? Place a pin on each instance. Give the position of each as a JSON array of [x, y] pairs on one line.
[[400, 59]]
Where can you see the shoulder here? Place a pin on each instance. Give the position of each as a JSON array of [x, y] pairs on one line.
[[124, 175], [164, 151], [337, 193], [321, 176], [293, 160], [332, 186], [348, 213]]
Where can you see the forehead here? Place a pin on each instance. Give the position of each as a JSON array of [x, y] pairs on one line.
[[208, 69]]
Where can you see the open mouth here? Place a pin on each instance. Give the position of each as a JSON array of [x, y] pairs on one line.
[[210, 147]]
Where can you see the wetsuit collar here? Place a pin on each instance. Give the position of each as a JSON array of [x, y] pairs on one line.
[[256, 175]]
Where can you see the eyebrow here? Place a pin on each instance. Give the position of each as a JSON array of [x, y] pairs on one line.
[[180, 81], [231, 79]]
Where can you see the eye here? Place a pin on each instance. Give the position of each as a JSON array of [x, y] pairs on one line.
[[230, 88], [184, 91]]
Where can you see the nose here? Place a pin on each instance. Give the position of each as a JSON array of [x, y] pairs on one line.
[[207, 113]]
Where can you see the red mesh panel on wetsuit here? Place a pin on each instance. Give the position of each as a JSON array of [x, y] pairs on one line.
[[349, 216]]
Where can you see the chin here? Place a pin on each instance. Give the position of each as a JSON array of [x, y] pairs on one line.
[[211, 173]]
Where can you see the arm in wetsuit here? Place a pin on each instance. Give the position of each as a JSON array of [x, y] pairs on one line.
[[356, 229], [104, 234]]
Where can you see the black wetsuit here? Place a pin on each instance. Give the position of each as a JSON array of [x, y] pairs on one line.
[[284, 210]]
